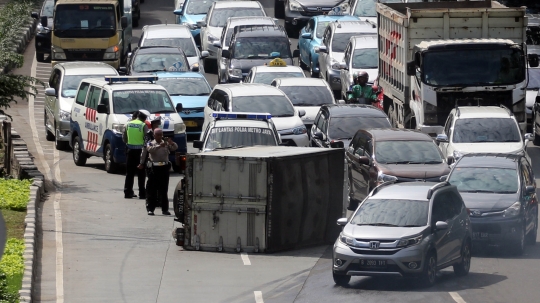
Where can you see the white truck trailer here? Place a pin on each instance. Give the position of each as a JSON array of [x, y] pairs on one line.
[[434, 56]]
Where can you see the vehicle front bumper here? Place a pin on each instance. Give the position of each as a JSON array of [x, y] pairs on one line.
[[295, 140], [295, 18], [212, 50], [193, 121], [397, 263], [497, 231], [64, 132], [334, 79]]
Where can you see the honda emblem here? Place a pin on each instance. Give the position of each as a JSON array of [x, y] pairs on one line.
[[374, 244]]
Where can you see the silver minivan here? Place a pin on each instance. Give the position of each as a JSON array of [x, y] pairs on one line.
[[60, 93]]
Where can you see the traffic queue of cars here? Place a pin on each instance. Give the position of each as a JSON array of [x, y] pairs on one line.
[[406, 190]]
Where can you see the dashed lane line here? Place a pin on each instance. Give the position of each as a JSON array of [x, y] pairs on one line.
[[258, 297], [457, 297], [245, 259]]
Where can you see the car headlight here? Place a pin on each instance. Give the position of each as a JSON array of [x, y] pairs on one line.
[[347, 240], [294, 6], [513, 210], [64, 115], [191, 26], [179, 128], [409, 241], [111, 53], [41, 30], [335, 64], [344, 7], [58, 53], [235, 72], [118, 128], [211, 39], [382, 178], [299, 130], [457, 154], [519, 110]]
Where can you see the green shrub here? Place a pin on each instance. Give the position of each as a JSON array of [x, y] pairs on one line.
[[14, 194], [6, 294], [11, 271]]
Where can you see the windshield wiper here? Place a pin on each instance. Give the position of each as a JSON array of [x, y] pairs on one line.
[[151, 71], [478, 191], [101, 27], [164, 111], [398, 162], [304, 104], [200, 94], [427, 162], [412, 225], [377, 224]]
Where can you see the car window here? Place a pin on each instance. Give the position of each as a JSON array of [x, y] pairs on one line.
[[527, 177], [534, 78], [360, 144], [320, 122], [131, 100], [267, 78], [277, 106], [340, 40], [484, 180], [81, 94], [317, 117], [442, 210], [346, 127], [477, 130], [219, 16], [48, 8], [159, 62], [392, 212], [71, 83], [448, 124], [224, 137], [261, 48], [185, 44], [105, 99], [407, 152], [368, 149], [308, 95], [93, 97], [185, 86], [212, 99], [365, 58], [199, 7], [321, 28]]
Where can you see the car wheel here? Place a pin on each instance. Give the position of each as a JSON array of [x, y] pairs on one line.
[[48, 135], [462, 268], [79, 157], [531, 236], [291, 30], [40, 57], [429, 274], [279, 9], [59, 145], [518, 247], [301, 64], [312, 72], [341, 280], [110, 166]]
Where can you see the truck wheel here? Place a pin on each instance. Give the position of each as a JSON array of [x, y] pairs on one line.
[[279, 9], [40, 57], [110, 166], [79, 157], [341, 280]]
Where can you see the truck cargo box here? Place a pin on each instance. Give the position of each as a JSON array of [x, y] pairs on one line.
[[262, 199]]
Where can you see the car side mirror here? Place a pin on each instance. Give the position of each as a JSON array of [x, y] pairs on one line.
[[411, 68], [342, 221], [364, 160], [296, 53], [528, 136], [122, 70], [201, 23], [195, 67], [226, 53], [450, 160], [441, 225], [533, 60], [343, 66], [318, 136], [322, 49], [124, 22], [337, 144], [204, 54], [44, 21], [178, 12], [217, 44], [197, 144], [102, 109], [442, 138], [341, 101], [179, 107], [529, 190], [51, 92], [301, 112], [307, 36]]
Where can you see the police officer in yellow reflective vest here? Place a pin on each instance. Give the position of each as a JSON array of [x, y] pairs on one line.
[[134, 138]]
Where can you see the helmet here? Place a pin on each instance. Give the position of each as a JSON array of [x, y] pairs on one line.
[[363, 74], [144, 112]]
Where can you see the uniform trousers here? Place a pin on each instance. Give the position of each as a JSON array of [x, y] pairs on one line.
[[133, 160], [157, 188]]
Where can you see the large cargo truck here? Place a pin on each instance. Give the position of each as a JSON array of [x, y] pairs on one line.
[[92, 30], [260, 199], [434, 56]]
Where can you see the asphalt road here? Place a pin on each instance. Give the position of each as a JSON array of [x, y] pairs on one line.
[[96, 246]]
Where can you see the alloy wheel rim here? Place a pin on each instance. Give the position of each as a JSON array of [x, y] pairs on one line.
[[431, 269], [76, 151], [108, 158], [467, 258]]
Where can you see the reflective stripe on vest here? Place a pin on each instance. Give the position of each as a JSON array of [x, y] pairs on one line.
[[135, 134]]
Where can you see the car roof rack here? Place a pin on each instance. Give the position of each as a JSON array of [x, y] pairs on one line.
[[435, 187]]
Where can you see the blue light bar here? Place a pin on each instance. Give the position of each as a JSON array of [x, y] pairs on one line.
[[246, 116], [131, 79]]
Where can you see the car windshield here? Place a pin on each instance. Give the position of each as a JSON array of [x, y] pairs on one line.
[[340, 40], [153, 100], [48, 9], [407, 152], [198, 7], [185, 44], [534, 79], [366, 8], [230, 30], [88, 21], [365, 58], [267, 78], [185, 86], [261, 48], [159, 62], [220, 16], [346, 127], [473, 67], [321, 27], [70, 83], [485, 180], [308, 95], [480, 130], [227, 137], [277, 106], [392, 212]]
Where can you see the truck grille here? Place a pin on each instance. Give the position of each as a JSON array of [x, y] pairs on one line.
[[83, 55], [447, 101]]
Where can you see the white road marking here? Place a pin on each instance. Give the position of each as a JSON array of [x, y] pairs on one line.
[[258, 297], [57, 196], [245, 259], [457, 297]]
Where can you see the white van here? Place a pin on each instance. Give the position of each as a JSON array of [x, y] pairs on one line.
[[102, 108]]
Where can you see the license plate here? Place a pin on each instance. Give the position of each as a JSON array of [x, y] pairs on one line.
[[372, 263], [190, 123], [480, 235]]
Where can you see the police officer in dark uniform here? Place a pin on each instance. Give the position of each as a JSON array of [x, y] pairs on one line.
[[155, 123], [134, 138]]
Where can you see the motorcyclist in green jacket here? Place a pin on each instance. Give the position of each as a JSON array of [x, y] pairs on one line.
[[361, 92]]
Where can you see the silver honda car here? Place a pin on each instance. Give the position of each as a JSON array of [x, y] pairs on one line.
[[405, 229]]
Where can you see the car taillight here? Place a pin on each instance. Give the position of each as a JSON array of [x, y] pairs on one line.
[[180, 161]]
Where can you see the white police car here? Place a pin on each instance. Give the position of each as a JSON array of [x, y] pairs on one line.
[[101, 109], [234, 130]]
